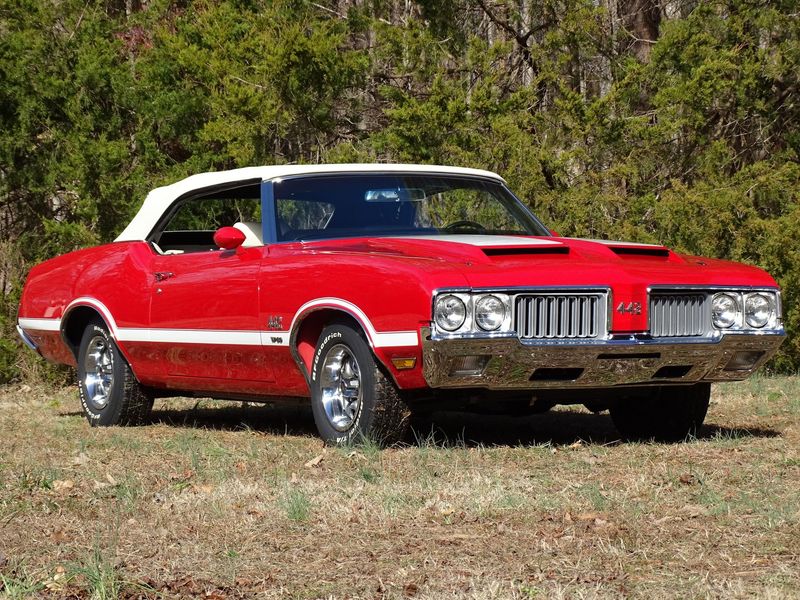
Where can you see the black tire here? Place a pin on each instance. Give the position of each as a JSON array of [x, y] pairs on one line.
[[125, 402], [381, 414], [670, 414]]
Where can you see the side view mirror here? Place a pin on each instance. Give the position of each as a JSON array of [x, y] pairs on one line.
[[554, 233], [228, 238]]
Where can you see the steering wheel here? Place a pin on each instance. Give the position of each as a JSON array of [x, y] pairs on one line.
[[473, 225]]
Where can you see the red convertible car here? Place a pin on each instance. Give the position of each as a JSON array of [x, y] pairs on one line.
[[377, 290]]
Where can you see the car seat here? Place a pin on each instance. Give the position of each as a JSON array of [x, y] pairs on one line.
[[252, 231]]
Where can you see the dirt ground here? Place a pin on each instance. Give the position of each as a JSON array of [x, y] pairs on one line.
[[220, 500]]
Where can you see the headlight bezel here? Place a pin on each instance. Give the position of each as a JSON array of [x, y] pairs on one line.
[[742, 322], [470, 326]]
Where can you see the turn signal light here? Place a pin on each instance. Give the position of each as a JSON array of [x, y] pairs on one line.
[[402, 364]]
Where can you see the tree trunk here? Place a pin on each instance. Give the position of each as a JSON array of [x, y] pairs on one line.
[[640, 19]]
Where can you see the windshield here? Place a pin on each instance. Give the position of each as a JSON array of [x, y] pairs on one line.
[[337, 206]]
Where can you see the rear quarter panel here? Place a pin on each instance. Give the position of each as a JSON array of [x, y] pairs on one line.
[[113, 276]]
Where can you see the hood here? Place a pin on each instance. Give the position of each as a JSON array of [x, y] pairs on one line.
[[512, 261]]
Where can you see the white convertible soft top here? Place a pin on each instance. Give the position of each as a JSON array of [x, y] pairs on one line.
[[160, 199]]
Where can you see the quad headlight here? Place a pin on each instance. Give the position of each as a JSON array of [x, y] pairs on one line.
[[725, 311], [759, 309], [741, 310], [472, 313], [449, 312], [490, 312]]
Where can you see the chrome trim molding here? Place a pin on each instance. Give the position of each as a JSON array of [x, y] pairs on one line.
[[624, 360], [27, 340], [712, 288], [387, 172]]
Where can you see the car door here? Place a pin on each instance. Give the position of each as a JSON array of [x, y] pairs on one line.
[[204, 308]]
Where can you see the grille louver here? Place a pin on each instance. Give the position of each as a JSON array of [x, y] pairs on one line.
[[560, 316], [678, 315]]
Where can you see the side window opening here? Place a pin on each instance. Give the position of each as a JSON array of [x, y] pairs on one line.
[[193, 221], [298, 215]]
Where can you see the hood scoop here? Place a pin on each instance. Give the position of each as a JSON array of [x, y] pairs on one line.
[[524, 250], [640, 251]]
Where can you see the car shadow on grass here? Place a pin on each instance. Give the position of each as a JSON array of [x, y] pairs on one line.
[[445, 429], [288, 420], [557, 428], [279, 419]]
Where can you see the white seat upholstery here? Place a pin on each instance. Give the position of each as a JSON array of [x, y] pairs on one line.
[[252, 233], [160, 251]]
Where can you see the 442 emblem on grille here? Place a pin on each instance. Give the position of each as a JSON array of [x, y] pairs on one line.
[[631, 308]]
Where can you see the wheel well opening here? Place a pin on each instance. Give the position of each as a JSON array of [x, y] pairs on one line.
[[77, 321], [311, 328]]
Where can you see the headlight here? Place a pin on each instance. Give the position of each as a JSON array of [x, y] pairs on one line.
[[489, 313], [450, 312], [758, 310], [724, 311]]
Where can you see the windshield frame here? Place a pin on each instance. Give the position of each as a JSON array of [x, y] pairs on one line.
[[269, 206]]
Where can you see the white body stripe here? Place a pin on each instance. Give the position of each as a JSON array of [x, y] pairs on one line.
[[99, 306], [382, 339], [274, 338], [484, 241], [204, 336], [391, 339], [41, 324], [613, 243]]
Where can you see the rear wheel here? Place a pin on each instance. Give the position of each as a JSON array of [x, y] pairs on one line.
[[108, 389], [352, 399], [669, 414]]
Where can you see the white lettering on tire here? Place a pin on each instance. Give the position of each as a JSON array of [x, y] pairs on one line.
[[318, 355]]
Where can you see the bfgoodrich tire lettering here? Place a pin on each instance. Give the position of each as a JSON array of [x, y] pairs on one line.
[[669, 414], [108, 389], [352, 399]]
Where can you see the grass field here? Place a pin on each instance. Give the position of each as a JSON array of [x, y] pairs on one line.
[[229, 501]]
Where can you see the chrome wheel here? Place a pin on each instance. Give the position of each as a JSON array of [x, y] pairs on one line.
[[98, 367], [340, 383]]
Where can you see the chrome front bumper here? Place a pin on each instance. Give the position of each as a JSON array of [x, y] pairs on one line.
[[506, 363]]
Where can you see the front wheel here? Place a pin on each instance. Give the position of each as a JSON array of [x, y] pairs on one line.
[[352, 399], [669, 414], [108, 389]]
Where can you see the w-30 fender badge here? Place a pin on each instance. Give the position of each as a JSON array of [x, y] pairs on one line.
[[631, 308]]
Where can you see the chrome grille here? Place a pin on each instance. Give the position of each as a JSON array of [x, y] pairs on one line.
[[678, 315], [560, 316]]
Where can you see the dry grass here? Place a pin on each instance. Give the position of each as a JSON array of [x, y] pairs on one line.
[[226, 502]]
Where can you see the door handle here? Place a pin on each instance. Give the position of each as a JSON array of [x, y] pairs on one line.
[[162, 275]]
